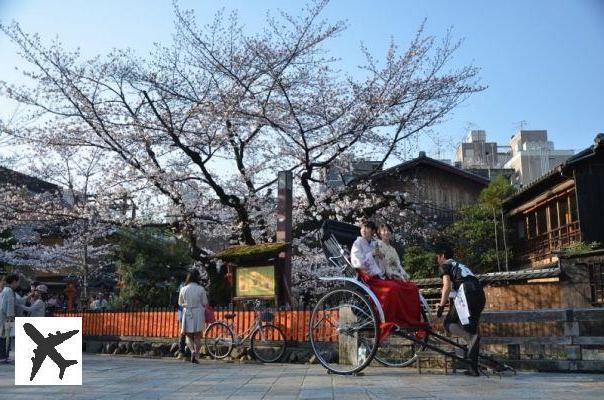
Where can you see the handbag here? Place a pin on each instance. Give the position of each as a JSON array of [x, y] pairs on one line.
[[208, 314]]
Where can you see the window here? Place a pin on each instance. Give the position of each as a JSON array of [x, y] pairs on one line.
[[532, 226], [541, 221], [553, 215], [563, 207], [573, 208], [521, 229], [596, 282]]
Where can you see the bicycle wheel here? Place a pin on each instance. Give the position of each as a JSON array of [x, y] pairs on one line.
[[218, 338], [398, 351], [344, 331], [268, 343]]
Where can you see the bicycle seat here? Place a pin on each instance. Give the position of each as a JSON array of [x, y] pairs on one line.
[[229, 316]]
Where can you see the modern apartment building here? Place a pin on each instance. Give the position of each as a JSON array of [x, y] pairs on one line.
[[476, 153], [533, 155], [529, 156]]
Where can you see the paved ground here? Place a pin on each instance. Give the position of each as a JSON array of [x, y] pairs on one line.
[[108, 377]]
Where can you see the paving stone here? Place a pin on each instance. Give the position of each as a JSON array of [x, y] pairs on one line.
[[123, 377]]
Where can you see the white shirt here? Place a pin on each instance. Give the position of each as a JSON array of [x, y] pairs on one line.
[[7, 306], [361, 256], [192, 296]]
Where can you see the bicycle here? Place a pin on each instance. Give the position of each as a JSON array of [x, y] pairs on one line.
[[267, 341]]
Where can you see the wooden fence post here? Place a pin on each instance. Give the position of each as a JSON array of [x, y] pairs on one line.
[[571, 332]]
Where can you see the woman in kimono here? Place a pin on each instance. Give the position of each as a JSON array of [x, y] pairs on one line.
[[193, 299], [399, 300], [390, 263]]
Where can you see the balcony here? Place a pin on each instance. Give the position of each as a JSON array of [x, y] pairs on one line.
[[543, 247]]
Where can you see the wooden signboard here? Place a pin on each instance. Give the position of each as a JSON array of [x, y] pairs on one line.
[[255, 282]]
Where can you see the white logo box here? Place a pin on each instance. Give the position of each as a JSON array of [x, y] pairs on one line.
[[69, 350]]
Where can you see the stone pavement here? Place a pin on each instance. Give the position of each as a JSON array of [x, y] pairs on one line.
[[115, 377]]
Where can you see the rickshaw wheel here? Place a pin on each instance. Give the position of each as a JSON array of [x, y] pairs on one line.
[[344, 331]]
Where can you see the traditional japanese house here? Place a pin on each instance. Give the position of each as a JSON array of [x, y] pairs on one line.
[[563, 207], [437, 188]]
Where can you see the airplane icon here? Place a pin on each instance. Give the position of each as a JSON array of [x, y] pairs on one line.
[[46, 347]]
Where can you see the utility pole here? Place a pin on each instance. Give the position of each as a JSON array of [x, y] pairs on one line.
[[505, 245], [496, 243]]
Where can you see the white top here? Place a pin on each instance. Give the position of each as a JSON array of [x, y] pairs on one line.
[[391, 263], [361, 256], [7, 307], [193, 299]]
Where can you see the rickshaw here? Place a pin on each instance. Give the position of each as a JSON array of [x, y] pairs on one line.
[[345, 324]]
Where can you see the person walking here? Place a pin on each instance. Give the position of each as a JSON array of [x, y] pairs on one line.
[[468, 302], [7, 313], [193, 299]]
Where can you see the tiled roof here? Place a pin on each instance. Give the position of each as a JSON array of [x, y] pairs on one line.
[[509, 276], [12, 177], [437, 164], [424, 160]]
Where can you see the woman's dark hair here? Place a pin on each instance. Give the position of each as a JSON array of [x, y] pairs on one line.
[[444, 249], [369, 224], [193, 276], [10, 278]]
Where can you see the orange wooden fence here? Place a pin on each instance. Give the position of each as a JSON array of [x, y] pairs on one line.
[[163, 322]]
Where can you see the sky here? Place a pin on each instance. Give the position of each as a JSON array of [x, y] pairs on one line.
[[543, 61]]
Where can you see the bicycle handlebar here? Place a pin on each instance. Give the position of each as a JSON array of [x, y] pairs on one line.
[[255, 303]]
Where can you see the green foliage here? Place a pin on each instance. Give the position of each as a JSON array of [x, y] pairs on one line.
[[473, 239], [7, 241], [151, 263], [419, 262], [243, 251], [473, 234], [492, 196], [578, 248]]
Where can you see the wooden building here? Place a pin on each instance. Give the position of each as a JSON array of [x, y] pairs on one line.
[[559, 209], [437, 188]]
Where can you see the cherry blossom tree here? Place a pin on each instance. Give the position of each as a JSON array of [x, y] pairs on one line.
[[62, 225], [193, 134]]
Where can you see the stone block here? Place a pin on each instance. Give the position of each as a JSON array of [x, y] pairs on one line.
[[573, 353]]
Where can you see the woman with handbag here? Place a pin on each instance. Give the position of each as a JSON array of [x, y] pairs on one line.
[[193, 299]]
